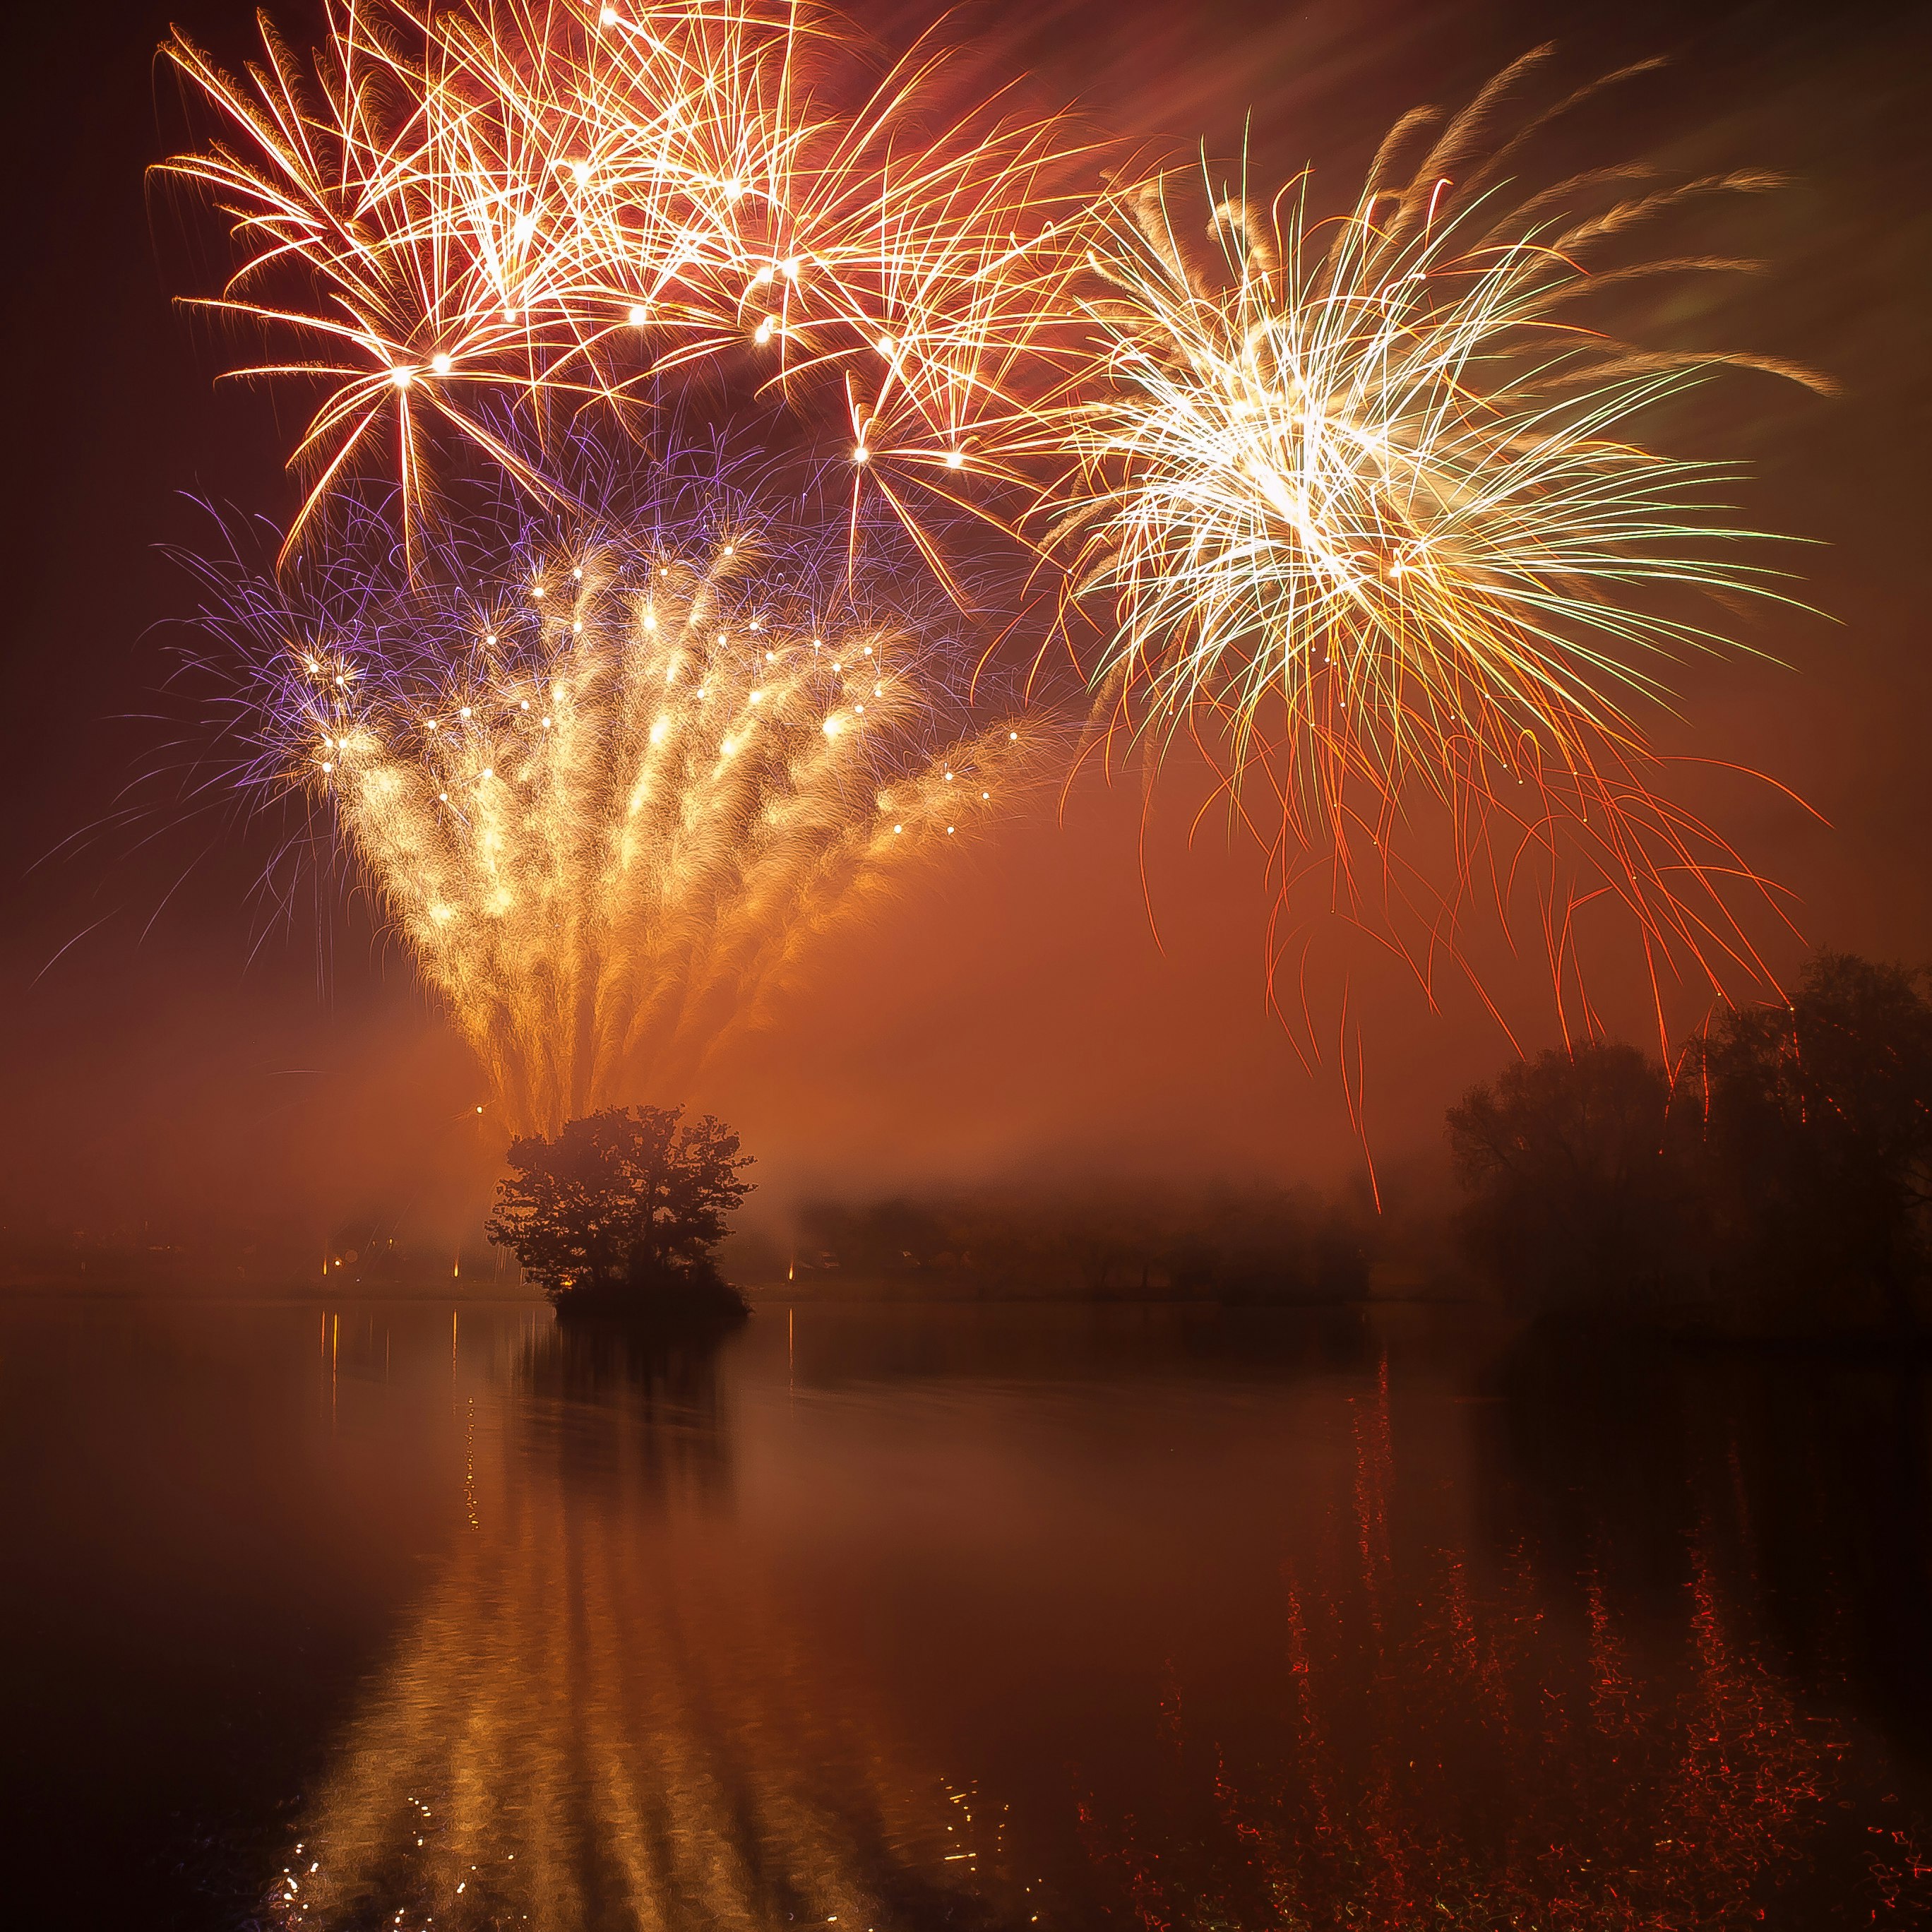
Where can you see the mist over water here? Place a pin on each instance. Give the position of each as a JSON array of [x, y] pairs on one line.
[[366, 1615]]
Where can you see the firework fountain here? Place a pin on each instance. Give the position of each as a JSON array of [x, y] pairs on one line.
[[608, 781]]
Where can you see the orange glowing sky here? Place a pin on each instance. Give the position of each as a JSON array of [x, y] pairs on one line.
[[1033, 1009]]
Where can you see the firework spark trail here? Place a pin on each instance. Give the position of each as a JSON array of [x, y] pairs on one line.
[[1360, 510], [551, 205], [609, 799]]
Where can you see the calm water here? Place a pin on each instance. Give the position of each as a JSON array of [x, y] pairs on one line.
[[377, 1615]]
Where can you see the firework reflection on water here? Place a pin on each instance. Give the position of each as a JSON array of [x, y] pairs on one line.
[[597, 1718]]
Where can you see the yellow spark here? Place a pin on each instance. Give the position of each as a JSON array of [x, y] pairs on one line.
[[641, 882]]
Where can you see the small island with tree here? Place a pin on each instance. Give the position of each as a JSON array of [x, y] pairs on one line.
[[617, 1216]]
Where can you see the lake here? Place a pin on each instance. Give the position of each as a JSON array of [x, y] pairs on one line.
[[393, 1615]]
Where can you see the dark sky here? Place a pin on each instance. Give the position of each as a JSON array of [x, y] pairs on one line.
[[186, 1062]]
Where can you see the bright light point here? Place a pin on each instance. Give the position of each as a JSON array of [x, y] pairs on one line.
[[754, 697], [638, 313], [576, 576], [762, 280], [955, 459], [432, 724], [487, 772], [1012, 736], [440, 362], [830, 728], [729, 549], [818, 643], [985, 794], [878, 691], [579, 172], [525, 706], [859, 708], [949, 832], [658, 729], [577, 628], [536, 590], [609, 17], [732, 189], [860, 453], [328, 767], [466, 711], [884, 345], [770, 656], [442, 798], [546, 724], [763, 333], [868, 650], [313, 665], [402, 376], [791, 271], [949, 778], [526, 227], [491, 638]]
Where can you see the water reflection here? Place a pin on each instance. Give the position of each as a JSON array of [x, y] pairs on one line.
[[841, 1346], [611, 1404], [1482, 1739], [1806, 1486], [598, 1716], [1249, 1624]]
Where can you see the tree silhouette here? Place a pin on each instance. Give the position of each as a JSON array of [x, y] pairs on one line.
[[622, 1210], [1786, 1162], [1817, 1151], [1573, 1191]]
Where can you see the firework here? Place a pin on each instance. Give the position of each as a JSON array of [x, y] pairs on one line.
[[606, 785], [479, 220], [1361, 508], [1366, 508]]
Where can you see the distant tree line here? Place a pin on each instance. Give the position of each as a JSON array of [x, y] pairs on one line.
[[1231, 1244], [1780, 1172]]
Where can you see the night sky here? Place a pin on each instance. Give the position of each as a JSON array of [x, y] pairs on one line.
[[177, 1057]]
